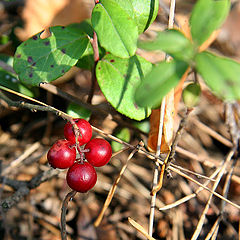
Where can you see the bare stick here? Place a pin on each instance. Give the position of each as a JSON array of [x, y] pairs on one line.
[[68, 198], [112, 190]]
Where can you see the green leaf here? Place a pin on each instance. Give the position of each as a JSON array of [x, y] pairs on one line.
[[116, 30], [87, 59], [207, 16], [43, 60], [191, 95], [142, 125], [123, 134], [10, 80], [76, 111], [172, 42], [143, 12], [118, 78], [220, 74], [159, 82]]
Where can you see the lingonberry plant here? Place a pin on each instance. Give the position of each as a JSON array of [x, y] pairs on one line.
[[130, 83], [107, 44], [99, 153], [84, 134], [62, 154], [81, 175]]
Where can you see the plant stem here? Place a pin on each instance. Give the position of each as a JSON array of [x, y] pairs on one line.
[[160, 131], [68, 198], [94, 43]]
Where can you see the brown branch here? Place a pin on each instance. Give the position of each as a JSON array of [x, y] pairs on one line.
[[94, 43], [68, 198], [23, 187]]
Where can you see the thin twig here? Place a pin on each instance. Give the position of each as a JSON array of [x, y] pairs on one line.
[[160, 131], [188, 197], [113, 189], [23, 187], [212, 133], [68, 198], [202, 218], [142, 151]]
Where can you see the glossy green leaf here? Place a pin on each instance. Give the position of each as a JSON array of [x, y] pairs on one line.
[[123, 134], [43, 60], [159, 82], [172, 42], [220, 74], [207, 16], [118, 78], [143, 12], [116, 30], [76, 111], [10, 80]]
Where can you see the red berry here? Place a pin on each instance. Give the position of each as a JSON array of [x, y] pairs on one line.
[[84, 128], [62, 154], [81, 177], [100, 152]]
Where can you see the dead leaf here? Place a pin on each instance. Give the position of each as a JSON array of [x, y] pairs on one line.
[[41, 14], [172, 100]]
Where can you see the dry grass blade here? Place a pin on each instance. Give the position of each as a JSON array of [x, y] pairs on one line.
[[142, 151], [16, 162], [213, 229], [112, 190], [212, 133], [140, 229], [206, 188], [202, 218], [187, 198]]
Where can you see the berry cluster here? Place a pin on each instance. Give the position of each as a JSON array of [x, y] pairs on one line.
[[81, 175]]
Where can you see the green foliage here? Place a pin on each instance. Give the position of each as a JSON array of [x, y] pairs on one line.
[[159, 82], [123, 134], [43, 60], [108, 19], [118, 78], [172, 42], [129, 82], [77, 111], [143, 12], [220, 74], [207, 16], [10, 80], [191, 94]]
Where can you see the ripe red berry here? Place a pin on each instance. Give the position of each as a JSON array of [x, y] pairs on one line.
[[62, 154], [99, 153], [84, 128], [81, 177]]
